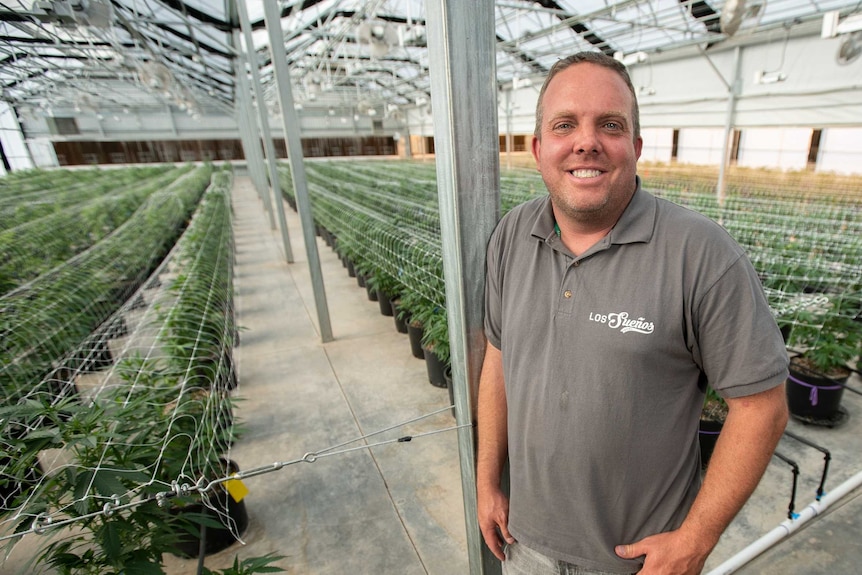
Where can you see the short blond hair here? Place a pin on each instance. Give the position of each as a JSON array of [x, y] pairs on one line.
[[599, 59]]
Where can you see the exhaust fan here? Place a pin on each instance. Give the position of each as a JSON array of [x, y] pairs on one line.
[[850, 49], [380, 36]]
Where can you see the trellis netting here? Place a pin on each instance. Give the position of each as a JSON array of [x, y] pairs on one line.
[[117, 365], [805, 244], [45, 231], [92, 432]]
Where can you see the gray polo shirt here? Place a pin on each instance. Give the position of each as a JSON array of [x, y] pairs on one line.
[[606, 358]]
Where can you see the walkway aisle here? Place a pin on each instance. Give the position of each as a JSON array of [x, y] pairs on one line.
[[395, 509]]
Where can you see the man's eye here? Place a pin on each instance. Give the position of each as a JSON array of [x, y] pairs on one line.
[[613, 125]]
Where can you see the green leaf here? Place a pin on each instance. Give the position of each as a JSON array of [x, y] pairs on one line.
[[105, 482], [109, 539]]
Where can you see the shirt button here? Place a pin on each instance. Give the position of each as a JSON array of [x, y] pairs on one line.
[[567, 294], [577, 263]]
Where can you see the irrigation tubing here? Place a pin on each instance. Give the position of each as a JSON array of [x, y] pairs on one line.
[[788, 527], [795, 471], [45, 522]]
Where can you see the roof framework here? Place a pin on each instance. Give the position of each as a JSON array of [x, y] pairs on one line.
[[96, 55]]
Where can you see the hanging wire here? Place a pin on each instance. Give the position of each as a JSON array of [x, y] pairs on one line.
[[44, 522]]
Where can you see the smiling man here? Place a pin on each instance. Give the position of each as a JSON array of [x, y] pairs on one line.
[[608, 312]]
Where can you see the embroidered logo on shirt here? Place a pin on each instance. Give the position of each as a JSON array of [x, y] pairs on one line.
[[622, 322]]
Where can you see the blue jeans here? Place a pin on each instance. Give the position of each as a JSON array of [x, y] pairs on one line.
[[521, 560]]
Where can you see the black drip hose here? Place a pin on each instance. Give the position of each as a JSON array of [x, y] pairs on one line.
[[795, 469], [827, 457]]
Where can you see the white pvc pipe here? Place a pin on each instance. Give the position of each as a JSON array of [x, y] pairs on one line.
[[787, 527]]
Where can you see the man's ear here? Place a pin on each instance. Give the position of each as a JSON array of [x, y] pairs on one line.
[[536, 148]]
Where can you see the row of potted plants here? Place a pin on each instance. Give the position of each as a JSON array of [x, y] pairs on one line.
[[34, 247], [161, 420], [805, 245], [25, 196], [388, 236], [43, 323]]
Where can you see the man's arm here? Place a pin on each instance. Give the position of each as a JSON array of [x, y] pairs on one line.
[[753, 427], [493, 505]]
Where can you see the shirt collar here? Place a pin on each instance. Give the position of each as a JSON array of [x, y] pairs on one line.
[[636, 224]]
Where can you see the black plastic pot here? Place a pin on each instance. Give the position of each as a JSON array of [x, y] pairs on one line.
[[707, 436], [813, 395], [95, 356], [215, 538], [435, 367], [372, 293], [384, 301], [400, 323], [12, 489], [415, 333]]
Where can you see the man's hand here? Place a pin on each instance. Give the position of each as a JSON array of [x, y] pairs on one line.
[[494, 519], [671, 553]]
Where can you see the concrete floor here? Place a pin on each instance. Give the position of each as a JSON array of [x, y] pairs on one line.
[[397, 509]]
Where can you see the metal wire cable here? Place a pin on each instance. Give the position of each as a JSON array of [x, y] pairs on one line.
[[44, 522]]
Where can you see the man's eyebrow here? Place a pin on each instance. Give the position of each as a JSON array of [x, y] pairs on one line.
[[609, 115], [614, 114]]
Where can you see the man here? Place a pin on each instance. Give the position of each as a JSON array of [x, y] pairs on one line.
[[608, 312]]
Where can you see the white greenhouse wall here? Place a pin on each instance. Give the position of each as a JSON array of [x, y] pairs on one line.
[[658, 145], [783, 148], [840, 151], [700, 146], [43, 154], [682, 90]]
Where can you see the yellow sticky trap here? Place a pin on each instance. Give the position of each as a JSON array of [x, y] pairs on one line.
[[236, 488]]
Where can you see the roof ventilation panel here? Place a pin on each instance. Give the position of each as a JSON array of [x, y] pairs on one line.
[[97, 13], [741, 16]]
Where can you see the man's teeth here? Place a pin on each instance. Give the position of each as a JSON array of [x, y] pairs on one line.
[[586, 173]]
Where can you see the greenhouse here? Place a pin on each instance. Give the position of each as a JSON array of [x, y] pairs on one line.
[[244, 277]]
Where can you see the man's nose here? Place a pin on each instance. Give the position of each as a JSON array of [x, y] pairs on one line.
[[586, 141]]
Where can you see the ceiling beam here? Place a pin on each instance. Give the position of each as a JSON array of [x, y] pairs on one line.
[[578, 27]]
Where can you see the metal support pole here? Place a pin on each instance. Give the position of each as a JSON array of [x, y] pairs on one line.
[[297, 167], [509, 111], [408, 146], [461, 43], [264, 128], [251, 144], [170, 114], [7, 167], [732, 93]]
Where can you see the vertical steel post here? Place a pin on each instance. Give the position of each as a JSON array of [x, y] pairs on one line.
[[264, 128], [732, 93], [254, 158], [290, 122], [251, 143], [462, 56]]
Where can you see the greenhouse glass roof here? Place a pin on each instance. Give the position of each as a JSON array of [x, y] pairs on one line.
[[121, 54]]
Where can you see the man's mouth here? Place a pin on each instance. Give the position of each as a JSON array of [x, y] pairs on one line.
[[586, 173]]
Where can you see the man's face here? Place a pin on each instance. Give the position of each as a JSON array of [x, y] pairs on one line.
[[587, 153]]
